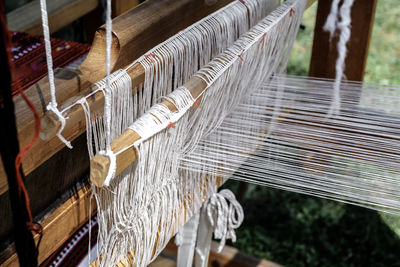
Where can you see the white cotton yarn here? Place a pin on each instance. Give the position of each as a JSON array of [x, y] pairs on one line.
[[52, 106], [340, 22], [225, 214], [352, 158], [141, 208]]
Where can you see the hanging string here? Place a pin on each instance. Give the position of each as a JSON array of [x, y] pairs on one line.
[[331, 21], [52, 106], [342, 23], [107, 96]]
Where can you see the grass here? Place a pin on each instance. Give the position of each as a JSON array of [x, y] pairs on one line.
[[298, 230], [383, 63]]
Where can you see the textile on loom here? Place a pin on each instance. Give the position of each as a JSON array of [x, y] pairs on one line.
[[143, 206], [351, 157], [120, 227], [29, 57]]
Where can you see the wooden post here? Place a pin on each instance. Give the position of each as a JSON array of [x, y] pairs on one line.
[[324, 52]]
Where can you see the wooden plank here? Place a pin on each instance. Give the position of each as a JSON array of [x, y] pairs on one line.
[[324, 52], [121, 6], [61, 13], [58, 226], [140, 29]]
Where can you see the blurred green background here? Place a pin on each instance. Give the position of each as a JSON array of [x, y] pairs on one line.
[[298, 230]]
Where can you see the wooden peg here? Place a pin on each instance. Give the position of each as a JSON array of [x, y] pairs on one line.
[[99, 165], [76, 113]]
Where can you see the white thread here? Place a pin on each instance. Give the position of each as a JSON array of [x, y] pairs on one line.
[[107, 96], [349, 158], [332, 19], [344, 27], [52, 106], [61, 118], [224, 217], [143, 206], [160, 116], [113, 165], [47, 45]]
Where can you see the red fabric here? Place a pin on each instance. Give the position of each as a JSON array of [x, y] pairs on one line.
[[29, 57]]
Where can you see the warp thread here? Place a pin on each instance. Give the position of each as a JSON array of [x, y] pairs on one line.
[[225, 215]]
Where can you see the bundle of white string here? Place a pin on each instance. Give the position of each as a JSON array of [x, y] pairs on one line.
[[225, 215], [342, 23]]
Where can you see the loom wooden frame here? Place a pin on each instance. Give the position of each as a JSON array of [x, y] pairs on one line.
[[56, 218]]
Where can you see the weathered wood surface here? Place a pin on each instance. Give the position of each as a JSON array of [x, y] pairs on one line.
[[28, 19], [229, 257], [121, 6], [324, 52]]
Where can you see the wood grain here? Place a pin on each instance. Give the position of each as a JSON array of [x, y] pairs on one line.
[[121, 6], [60, 13], [228, 257], [324, 51]]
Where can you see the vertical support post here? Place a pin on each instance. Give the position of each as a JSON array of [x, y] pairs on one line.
[[324, 52], [187, 241], [204, 238]]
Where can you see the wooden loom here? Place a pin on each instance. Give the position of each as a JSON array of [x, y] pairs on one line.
[[137, 30]]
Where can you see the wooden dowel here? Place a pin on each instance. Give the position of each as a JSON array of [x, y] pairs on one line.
[[51, 124], [99, 165]]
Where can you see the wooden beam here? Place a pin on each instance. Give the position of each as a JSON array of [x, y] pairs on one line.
[[324, 52], [99, 165], [27, 18], [121, 6], [138, 30], [58, 226]]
